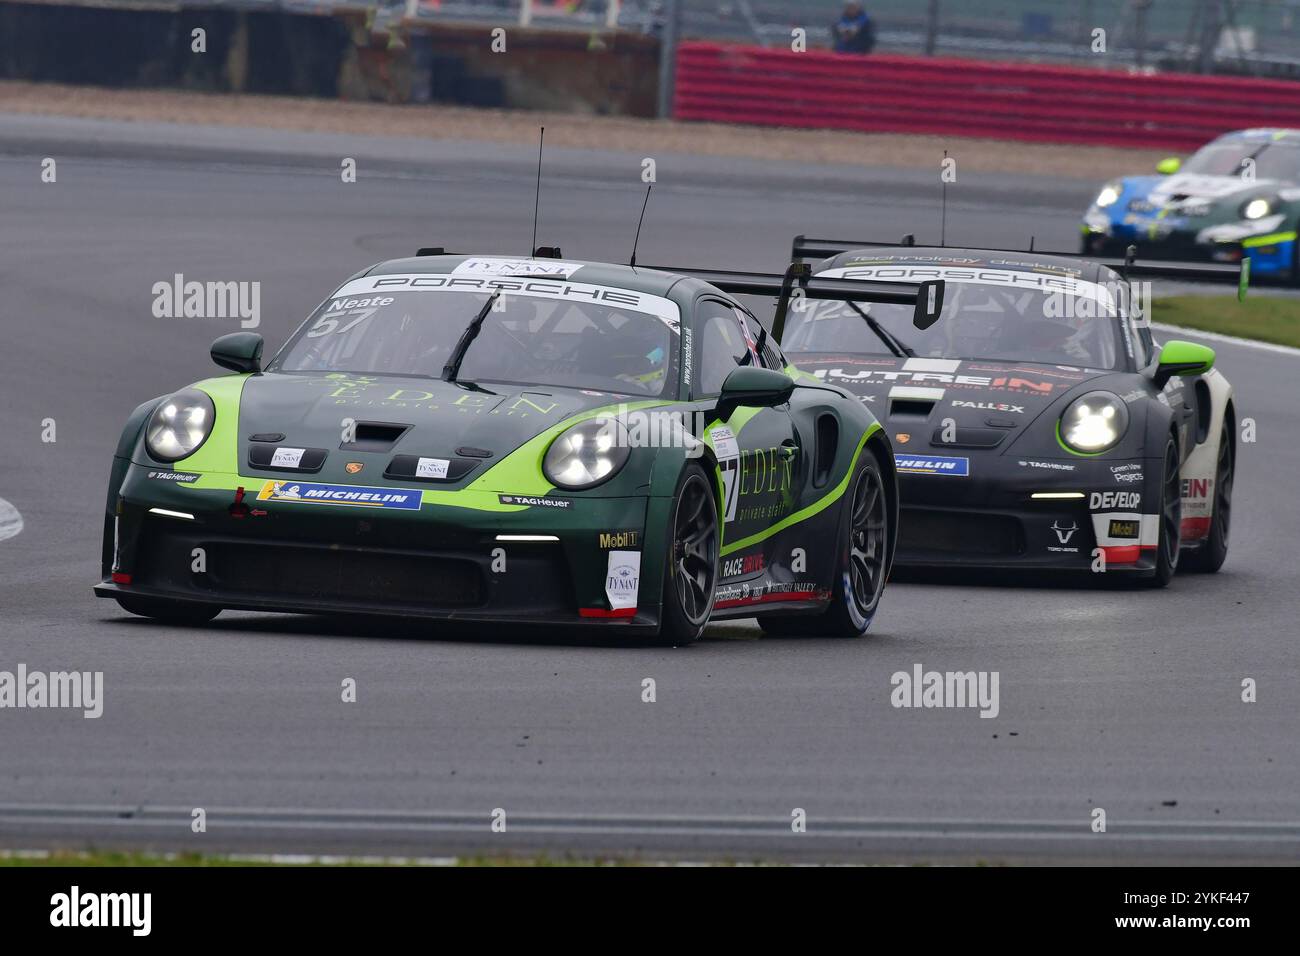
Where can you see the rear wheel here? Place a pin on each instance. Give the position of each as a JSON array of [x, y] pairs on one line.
[[1171, 519], [1209, 557], [691, 574], [863, 564], [171, 612]]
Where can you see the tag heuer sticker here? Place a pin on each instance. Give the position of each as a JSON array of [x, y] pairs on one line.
[[183, 477], [532, 501]]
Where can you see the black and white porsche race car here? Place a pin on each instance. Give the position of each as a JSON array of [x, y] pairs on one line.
[[1036, 424]]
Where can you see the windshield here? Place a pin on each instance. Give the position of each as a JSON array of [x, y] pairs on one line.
[[977, 322], [1272, 160], [536, 333]]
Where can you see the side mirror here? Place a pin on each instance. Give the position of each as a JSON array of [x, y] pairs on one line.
[[1182, 358], [239, 352], [1169, 166], [751, 387]]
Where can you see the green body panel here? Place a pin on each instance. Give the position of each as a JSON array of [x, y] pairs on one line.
[[507, 429]]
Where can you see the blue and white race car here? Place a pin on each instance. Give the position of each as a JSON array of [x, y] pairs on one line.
[[1236, 198]]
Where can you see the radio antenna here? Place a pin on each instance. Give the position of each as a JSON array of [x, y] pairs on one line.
[[943, 203], [649, 186], [537, 199]]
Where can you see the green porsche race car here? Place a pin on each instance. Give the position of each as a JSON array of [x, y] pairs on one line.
[[509, 441]]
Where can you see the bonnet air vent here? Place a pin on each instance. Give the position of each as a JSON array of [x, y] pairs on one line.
[[910, 408], [907, 401], [375, 436]]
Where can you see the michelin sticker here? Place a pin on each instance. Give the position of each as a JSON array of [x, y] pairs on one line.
[[727, 450], [932, 465], [622, 579], [319, 494]]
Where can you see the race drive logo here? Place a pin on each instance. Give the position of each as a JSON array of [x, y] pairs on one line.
[[71, 690], [622, 579], [75, 909], [932, 465], [179, 299], [949, 689], [1115, 500], [317, 494]]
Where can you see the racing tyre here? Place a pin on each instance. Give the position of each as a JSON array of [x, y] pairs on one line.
[[171, 612], [691, 572], [862, 566], [1171, 519], [1209, 557]]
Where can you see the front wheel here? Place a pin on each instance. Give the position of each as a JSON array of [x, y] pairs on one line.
[[691, 572], [1209, 557], [863, 563], [170, 612], [1171, 519]]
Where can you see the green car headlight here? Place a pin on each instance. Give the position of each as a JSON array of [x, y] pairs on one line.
[[587, 454], [179, 425], [1094, 422], [1108, 196], [1256, 209]]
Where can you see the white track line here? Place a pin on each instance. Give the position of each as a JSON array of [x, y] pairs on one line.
[[1227, 339]]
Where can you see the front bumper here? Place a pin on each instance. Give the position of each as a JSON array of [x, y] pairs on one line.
[[1072, 514], [1271, 254], [167, 541]]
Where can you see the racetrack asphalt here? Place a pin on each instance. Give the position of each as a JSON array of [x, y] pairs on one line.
[[1125, 700]]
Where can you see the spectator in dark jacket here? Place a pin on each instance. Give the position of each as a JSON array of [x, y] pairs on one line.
[[854, 32]]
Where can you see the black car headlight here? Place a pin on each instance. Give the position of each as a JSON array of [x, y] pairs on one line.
[[1093, 423], [587, 454], [179, 425]]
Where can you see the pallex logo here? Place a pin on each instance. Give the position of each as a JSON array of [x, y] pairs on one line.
[[990, 406], [1115, 500]]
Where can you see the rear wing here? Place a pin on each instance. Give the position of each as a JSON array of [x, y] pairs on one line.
[[1130, 267], [926, 298]]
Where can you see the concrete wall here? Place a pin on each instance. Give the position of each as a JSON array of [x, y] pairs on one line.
[[327, 54]]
